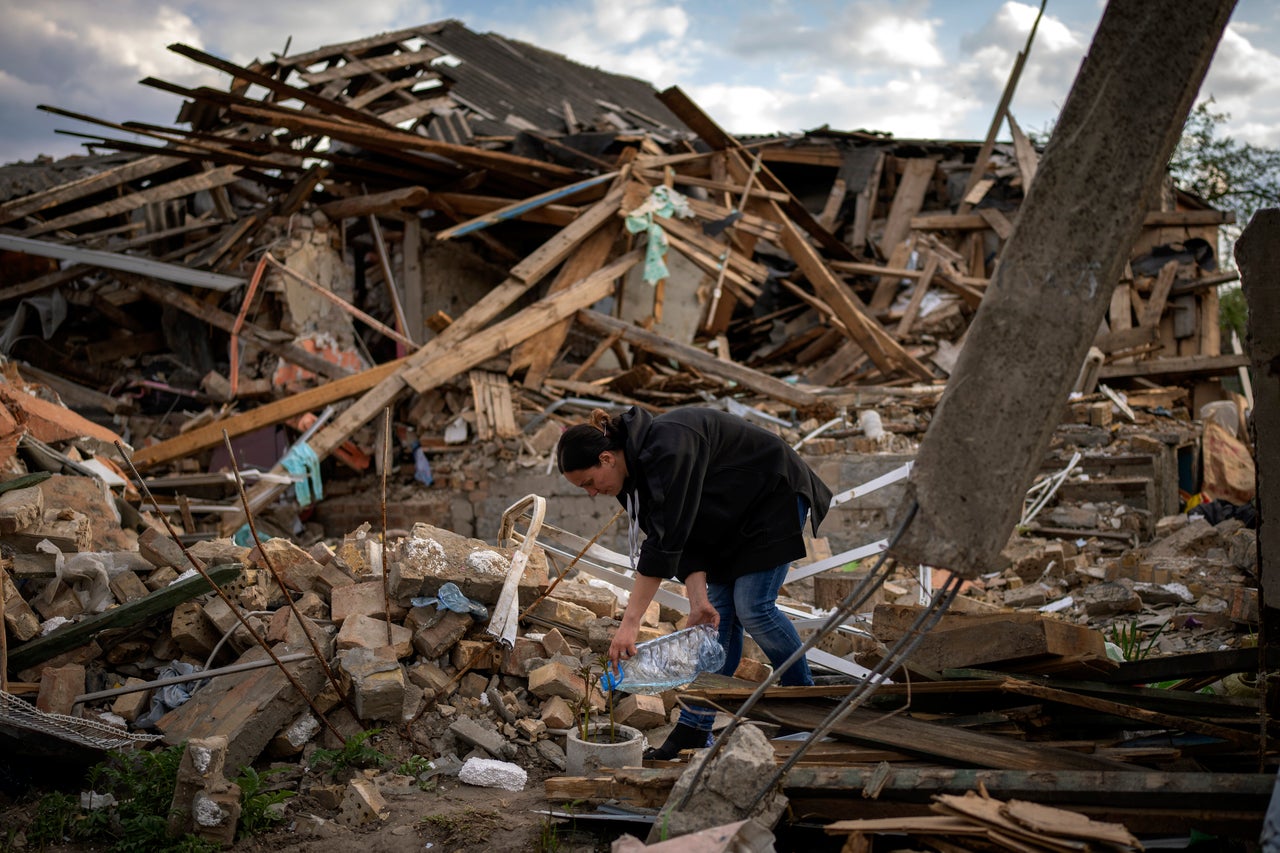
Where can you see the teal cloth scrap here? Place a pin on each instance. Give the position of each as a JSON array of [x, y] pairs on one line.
[[302, 461], [662, 203]]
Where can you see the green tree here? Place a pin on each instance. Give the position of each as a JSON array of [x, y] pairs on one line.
[[1229, 174]]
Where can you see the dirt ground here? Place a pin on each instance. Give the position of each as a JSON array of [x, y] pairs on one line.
[[448, 816]]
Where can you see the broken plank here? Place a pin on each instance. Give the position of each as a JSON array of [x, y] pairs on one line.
[[379, 204], [715, 136], [67, 192], [917, 296], [539, 352], [1026, 154], [917, 174], [1150, 315], [69, 636], [932, 740], [887, 353], [698, 359], [515, 209], [358, 67], [1243, 740], [1187, 365], [132, 201]]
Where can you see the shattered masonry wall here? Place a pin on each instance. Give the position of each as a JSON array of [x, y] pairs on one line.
[[478, 511]]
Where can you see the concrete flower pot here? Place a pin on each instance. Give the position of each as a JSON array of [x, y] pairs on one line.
[[586, 757]]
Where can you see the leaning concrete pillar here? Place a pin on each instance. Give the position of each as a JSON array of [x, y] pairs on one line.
[[1054, 280], [1258, 257]]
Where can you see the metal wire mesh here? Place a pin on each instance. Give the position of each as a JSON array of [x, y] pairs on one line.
[[85, 732]]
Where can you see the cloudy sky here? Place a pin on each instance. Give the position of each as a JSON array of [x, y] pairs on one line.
[[925, 68]]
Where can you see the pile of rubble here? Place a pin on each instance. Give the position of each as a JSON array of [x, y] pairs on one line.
[[430, 266]]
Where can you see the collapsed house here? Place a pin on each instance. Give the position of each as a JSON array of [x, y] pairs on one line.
[[421, 253]]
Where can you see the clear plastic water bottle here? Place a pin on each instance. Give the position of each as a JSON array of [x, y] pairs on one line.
[[667, 662]]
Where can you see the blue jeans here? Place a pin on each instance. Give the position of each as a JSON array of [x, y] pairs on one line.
[[751, 603]]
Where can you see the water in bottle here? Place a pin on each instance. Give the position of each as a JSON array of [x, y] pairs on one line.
[[667, 662]]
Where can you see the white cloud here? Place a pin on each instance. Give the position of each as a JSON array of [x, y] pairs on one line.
[[648, 39], [1244, 81]]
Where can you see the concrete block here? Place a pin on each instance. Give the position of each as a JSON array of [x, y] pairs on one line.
[[437, 556], [555, 644], [470, 732], [57, 600], [221, 615], [362, 632], [442, 632], [362, 804], [376, 685], [428, 676], [298, 569], [531, 730], [557, 679], [191, 630], [284, 627], [68, 530], [556, 713], [80, 654], [487, 773], [20, 508], [750, 669], [204, 802], [472, 685], [59, 687], [640, 712], [560, 612], [292, 738], [515, 661], [475, 655], [361, 599], [126, 586], [247, 708], [132, 705], [160, 578], [599, 601]]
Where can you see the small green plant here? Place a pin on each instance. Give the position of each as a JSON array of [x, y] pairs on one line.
[[258, 804], [142, 784], [418, 766], [54, 815], [1134, 645], [548, 837], [355, 754], [591, 675]]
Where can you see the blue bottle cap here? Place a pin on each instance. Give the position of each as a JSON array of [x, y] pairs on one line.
[[610, 680]]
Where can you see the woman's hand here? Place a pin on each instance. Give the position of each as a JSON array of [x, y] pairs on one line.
[[623, 645], [700, 610]]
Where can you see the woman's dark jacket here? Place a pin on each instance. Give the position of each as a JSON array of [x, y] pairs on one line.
[[716, 494]]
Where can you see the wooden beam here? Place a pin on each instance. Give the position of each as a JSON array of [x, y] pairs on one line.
[[887, 353], [711, 133], [700, 360], [73, 190], [132, 201], [917, 175], [1186, 365]]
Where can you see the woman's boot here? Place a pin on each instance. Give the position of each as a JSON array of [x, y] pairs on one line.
[[682, 737]]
